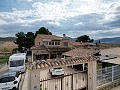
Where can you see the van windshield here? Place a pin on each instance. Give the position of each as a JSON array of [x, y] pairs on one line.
[[16, 63]]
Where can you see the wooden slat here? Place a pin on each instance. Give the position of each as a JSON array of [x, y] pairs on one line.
[[61, 62]]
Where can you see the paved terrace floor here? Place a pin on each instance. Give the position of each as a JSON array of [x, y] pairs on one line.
[[116, 88]]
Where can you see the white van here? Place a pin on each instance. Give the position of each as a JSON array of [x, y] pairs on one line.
[[17, 62]]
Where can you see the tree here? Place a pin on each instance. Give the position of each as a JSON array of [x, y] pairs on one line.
[[29, 39], [20, 40], [43, 30], [84, 38]]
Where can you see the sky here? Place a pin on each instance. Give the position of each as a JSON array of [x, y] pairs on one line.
[[96, 18]]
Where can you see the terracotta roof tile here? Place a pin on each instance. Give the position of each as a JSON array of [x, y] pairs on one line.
[[80, 52], [49, 36]]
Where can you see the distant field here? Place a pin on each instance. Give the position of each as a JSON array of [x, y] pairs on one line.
[[109, 45]]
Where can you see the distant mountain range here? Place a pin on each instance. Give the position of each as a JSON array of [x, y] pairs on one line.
[[107, 40], [7, 38], [110, 40]]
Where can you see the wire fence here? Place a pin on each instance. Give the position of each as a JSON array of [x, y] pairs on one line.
[[108, 74]]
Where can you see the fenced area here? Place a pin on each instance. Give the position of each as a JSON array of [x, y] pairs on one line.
[[66, 82], [108, 77]]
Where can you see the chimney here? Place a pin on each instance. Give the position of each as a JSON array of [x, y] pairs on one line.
[[64, 35]]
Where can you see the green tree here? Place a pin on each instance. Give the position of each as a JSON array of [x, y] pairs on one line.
[[29, 39], [43, 30], [84, 38], [20, 40]]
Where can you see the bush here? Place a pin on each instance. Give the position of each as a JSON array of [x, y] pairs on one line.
[[4, 59]]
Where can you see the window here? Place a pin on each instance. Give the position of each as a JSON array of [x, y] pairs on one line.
[[65, 43], [52, 43], [16, 63], [45, 42], [57, 43]]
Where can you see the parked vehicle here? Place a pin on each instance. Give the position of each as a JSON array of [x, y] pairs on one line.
[[10, 81], [17, 62], [57, 71]]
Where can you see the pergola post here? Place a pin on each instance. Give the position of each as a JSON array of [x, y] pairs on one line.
[[28, 73], [33, 79], [92, 79]]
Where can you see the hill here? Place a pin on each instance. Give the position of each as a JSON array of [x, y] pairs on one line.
[[110, 40], [7, 38]]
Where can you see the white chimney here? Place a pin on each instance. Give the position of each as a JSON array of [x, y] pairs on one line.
[[64, 35]]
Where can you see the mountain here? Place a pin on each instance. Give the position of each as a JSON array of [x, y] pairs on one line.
[[110, 40], [7, 38]]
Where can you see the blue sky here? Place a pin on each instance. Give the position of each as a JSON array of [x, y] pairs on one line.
[[96, 18]]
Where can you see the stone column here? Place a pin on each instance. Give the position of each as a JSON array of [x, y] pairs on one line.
[[92, 79], [35, 79], [28, 76]]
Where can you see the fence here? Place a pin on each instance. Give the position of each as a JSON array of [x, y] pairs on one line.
[[108, 75], [66, 82]]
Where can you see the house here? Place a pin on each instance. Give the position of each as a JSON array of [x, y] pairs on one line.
[[49, 47]]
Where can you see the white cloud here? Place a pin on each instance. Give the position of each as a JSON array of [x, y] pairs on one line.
[[113, 31], [112, 12], [50, 11], [64, 14], [80, 23], [25, 0], [2, 22], [54, 23]]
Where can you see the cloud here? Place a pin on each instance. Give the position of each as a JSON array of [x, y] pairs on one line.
[[112, 17], [25, 0], [54, 23], [72, 17]]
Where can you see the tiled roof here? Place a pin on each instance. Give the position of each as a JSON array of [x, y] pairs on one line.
[[49, 36], [81, 52], [50, 48], [81, 43]]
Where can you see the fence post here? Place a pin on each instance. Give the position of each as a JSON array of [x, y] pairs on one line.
[[35, 79], [92, 77], [61, 83], [72, 82], [112, 73]]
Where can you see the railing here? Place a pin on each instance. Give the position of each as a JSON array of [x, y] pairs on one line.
[[108, 75]]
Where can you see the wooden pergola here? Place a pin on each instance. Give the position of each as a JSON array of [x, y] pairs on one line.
[[35, 68]]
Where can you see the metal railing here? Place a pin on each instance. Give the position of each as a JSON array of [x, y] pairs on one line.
[[108, 74]]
